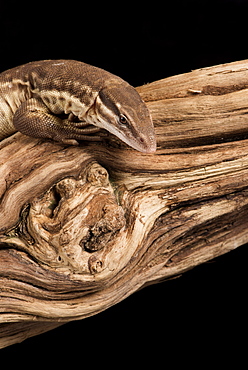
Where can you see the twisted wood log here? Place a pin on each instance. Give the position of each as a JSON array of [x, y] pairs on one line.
[[81, 228]]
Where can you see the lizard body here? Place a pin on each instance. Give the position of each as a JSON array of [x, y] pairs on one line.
[[66, 101]]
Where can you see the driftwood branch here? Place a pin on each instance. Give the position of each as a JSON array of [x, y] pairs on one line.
[[84, 227]]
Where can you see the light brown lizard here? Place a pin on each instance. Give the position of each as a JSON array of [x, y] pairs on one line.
[[67, 101]]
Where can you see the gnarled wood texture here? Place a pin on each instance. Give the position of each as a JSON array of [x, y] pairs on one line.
[[84, 227]]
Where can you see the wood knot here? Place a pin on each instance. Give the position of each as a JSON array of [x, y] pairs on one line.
[[95, 265], [97, 175], [104, 229], [73, 220]]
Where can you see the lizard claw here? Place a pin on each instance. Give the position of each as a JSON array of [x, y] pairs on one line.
[[69, 142]]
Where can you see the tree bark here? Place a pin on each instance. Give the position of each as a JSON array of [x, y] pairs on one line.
[[82, 228]]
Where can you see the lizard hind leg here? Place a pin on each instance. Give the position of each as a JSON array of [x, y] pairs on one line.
[[33, 118]]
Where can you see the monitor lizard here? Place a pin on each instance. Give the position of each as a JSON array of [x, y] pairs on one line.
[[68, 100]]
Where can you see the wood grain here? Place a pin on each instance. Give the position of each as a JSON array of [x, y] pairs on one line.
[[84, 227]]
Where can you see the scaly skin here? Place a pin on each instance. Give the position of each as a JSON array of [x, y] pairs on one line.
[[67, 101]]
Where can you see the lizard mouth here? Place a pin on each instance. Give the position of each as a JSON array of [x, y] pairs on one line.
[[142, 144]]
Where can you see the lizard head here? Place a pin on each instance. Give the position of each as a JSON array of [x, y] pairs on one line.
[[120, 110]]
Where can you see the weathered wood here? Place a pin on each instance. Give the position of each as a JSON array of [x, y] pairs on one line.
[[84, 227]]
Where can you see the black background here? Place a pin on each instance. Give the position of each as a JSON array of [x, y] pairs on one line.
[[205, 309]]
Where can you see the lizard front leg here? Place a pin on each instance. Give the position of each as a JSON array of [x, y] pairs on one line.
[[33, 118]]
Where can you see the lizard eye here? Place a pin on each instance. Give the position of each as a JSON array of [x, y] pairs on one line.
[[123, 119]]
